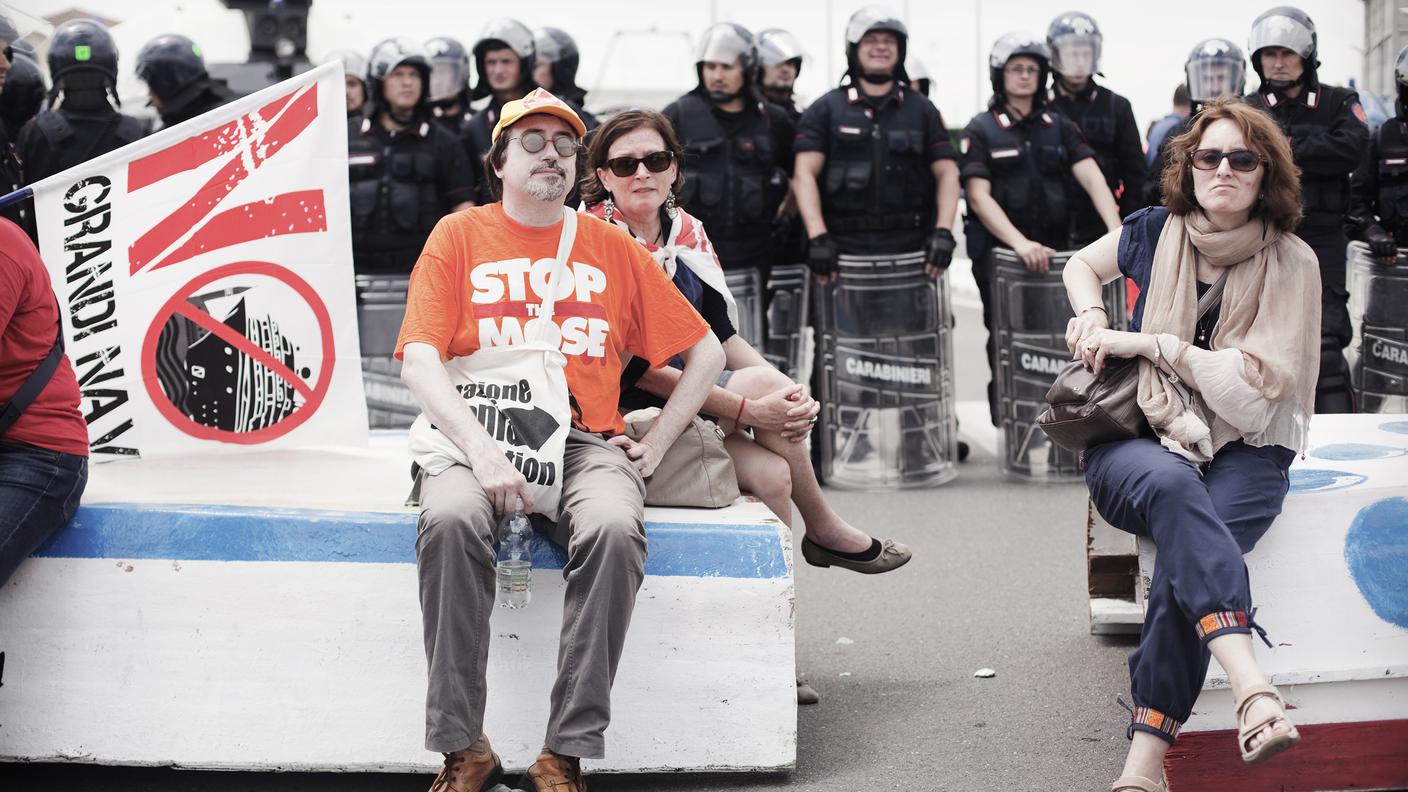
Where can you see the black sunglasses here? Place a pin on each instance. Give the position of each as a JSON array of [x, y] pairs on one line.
[[1211, 159], [625, 167], [533, 142]]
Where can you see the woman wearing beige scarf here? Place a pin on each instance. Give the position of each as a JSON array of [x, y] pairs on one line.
[[1228, 393]]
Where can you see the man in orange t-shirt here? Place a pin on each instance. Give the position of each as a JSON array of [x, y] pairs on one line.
[[473, 287]]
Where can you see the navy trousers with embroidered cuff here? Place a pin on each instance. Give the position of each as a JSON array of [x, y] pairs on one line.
[[1201, 519]]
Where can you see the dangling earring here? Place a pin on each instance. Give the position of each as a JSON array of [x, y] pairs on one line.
[[610, 208], [670, 207]]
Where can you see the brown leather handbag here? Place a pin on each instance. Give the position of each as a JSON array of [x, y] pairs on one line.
[[1084, 409]]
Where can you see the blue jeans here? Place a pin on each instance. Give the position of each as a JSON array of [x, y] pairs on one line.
[[1202, 519], [39, 492]]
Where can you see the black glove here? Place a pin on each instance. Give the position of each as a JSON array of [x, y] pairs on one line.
[[821, 255], [1381, 243], [938, 251]]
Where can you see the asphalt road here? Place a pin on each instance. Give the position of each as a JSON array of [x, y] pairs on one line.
[[997, 581]]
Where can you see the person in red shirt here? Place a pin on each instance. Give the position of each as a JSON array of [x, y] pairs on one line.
[[44, 452], [472, 288]]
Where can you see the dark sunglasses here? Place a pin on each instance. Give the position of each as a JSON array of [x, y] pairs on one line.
[[1211, 159], [533, 142], [625, 167]]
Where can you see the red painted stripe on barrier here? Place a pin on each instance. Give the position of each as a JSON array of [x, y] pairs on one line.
[[194, 151], [299, 212], [1342, 756]]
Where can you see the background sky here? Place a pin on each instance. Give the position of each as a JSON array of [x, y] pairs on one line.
[[645, 48]]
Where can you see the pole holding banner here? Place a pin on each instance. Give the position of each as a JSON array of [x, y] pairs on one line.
[[16, 196]]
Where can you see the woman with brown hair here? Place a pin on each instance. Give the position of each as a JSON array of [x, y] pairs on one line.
[[632, 179], [1227, 325]]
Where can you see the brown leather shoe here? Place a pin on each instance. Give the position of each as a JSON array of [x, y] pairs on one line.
[[552, 772], [475, 769]]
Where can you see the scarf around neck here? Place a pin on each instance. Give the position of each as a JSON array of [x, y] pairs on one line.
[[1270, 314]]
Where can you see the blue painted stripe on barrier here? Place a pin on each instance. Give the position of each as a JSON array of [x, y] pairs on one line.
[[236, 533]]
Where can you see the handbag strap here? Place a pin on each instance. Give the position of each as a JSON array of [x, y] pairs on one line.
[[1213, 296], [564, 249]]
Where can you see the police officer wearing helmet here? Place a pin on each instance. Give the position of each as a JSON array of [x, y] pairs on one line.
[[555, 60], [1020, 160], [876, 172], [1214, 69], [504, 57], [1379, 187], [24, 93], [781, 56], [449, 83], [1328, 134], [738, 150], [918, 74], [15, 25], [1103, 116], [178, 85], [405, 171], [85, 122], [354, 78]]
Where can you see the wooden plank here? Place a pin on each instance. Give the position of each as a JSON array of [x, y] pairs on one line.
[[1367, 755]]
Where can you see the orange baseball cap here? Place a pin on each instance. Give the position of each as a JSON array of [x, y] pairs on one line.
[[539, 101]]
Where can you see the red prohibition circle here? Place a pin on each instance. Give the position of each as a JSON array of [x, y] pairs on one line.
[[312, 400]]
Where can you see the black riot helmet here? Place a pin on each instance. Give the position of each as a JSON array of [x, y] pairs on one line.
[[1215, 69], [500, 34], [1284, 26], [449, 70], [1007, 47], [24, 91], [1075, 42], [556, 48], [169, 63], [82, 45], [385, 57], [727, 42], [869, 20]]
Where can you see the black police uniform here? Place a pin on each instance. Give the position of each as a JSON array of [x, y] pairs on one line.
[[1379, 187], [400, 185], [1153, 181], [21, 213], [736, 171], [67, 136], [877, 187], [1028, 161], [201, 96], [1328, 135], [1107, 121]]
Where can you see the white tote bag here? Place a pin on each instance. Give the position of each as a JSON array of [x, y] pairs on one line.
[[519, 394]]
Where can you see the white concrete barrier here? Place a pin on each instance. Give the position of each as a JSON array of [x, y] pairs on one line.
[[260, 612]]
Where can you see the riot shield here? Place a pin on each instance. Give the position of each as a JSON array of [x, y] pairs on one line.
[[885, 356], [785, 346], [1029, 316], [746, 286], [381, 305], [1378, 309]]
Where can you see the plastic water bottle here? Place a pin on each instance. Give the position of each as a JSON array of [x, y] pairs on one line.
[[514, 566]]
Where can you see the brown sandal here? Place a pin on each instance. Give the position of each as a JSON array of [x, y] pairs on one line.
[[1274, 743], [1132, 783]]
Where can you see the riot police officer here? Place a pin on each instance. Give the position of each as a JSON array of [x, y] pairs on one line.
[[449, 83], [504, 57], [1020, 159], [1379, 187], [738, 150], [14, 26], [23, 95], [405, 171], [1103, 116], [555, 60], [1328, 134], [876, 172], [782, 57], [85, 123], [179, 87], [354, 78], [918, 74], [1214, 69]]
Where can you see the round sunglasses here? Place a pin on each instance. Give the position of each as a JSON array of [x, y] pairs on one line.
[[1211, 159], [533, 142], [656, 162]]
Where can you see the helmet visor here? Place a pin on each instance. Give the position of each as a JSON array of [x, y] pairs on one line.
[[511, 32], [873, 18], [1400, 68], [447, 79], [1215, 77], [779, 46], [1075, 54], [18, 27], [723, 44], [1283, 31]]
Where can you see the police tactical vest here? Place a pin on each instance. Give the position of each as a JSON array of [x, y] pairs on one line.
[[733, 185], [1323, 194], [1030, 174], [67, 146], [392, 183], [1392, 166], [877, 175]]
